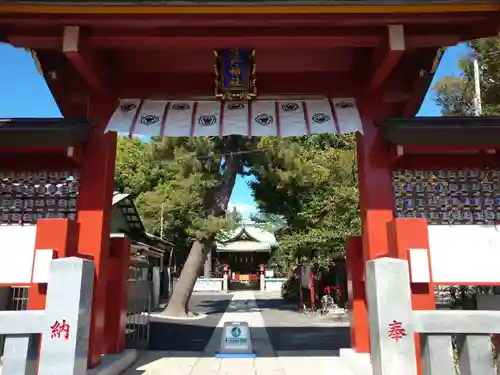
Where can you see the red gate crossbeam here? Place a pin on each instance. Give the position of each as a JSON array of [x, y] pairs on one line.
[[78, 52], [385, 58], [74, 45]]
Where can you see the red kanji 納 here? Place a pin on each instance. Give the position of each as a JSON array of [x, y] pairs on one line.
[[396, 330], [59, 329]]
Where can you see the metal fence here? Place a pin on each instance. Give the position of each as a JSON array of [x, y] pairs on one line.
[[19, 298], [139, 303], [393, 323], [13, 299]]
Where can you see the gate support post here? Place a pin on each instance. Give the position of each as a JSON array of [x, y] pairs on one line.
[[390, 316], [94, 213], [376, 206], [375, 186], [358, 314], [116, 296]]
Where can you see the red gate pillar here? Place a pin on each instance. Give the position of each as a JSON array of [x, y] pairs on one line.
[[94, 213], [358, 313], [116, 296], [375, 187], [376, 210]]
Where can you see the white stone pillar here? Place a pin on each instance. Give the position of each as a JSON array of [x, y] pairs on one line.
[[388, 294], [225, 282]]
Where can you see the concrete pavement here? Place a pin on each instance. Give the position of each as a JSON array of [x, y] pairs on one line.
[[268, 361]]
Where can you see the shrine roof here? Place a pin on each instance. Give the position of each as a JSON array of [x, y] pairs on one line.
[[439, 131], [127, 221], [43, 132], [247, 238]]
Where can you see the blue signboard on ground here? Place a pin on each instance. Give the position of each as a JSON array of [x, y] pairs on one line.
[[236, 341]]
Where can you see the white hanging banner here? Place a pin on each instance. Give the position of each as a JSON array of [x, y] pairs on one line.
[[347, 114], [292, 119], [249, 118], [179, 119], [264, 119], [207, 119], [236, 118], [124, 116], [150, 120], [320, 116]]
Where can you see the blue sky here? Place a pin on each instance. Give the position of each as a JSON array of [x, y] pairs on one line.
[[25, 94]]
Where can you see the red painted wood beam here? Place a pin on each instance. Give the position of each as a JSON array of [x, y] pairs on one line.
[[143, 42], [176, 85], [385, 58], [71, 102], [241, 20], [83, 60]]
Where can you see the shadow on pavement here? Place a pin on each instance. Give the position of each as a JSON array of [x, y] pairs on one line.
[[290, 332], [189, 335]]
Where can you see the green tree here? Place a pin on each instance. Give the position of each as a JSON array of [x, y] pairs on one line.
[[132, 175], [193, 179], [455, 93], [311, 184], [305, 188]]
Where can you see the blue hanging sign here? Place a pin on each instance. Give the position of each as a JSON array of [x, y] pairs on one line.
[[235, 70]]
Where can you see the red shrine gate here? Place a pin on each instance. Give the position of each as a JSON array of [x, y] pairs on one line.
[[303, 53]]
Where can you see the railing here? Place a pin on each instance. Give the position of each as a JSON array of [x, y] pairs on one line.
[[61, 331], [140, 290], [393, 324]]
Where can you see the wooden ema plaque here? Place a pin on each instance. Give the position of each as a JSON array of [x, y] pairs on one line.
[[27, 196], [465, 196]]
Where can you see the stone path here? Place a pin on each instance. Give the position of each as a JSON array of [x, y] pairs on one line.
[[268, 361]]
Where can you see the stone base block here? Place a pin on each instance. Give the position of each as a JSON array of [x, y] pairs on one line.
[[114, 364], [358, 363]]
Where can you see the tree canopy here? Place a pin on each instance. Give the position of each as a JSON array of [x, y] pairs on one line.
[[455, 93], [311, 184], [305, 187], [187, 183]]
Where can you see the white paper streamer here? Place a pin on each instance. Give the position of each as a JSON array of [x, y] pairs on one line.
[[204, 118], [292, 119], [321, 119], [235, 118], [122, 119], [347, 115], [150, 118], [264, 121], [207, 119], [179, 119]]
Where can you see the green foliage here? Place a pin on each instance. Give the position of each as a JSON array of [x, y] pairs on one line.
[[188, 177], [306, 190], [455, 94], [309, 182]]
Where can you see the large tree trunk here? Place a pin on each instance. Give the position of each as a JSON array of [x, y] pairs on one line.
[[178, 303], [216, 203]]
